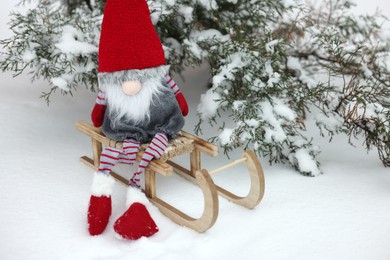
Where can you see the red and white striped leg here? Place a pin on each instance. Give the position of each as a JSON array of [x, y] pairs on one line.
[[108, 159], [155, 149], [130, 151]]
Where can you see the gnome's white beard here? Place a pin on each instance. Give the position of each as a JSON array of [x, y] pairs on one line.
[[137, 107]]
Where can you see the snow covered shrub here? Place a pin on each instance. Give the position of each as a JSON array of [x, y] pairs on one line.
[[271, 61], [344, 60], [57, 47]]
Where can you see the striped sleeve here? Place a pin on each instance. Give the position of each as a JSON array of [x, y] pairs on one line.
[[101, 98], [171, 84]]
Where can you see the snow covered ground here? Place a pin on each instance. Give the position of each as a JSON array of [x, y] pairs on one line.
[[342, 214]]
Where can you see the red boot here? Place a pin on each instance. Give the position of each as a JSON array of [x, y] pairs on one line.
[[136, 222], [99, 210]]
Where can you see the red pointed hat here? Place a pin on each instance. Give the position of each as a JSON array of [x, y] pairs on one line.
[[128, 39]]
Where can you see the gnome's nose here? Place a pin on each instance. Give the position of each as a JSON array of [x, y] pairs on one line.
[[131, 87]]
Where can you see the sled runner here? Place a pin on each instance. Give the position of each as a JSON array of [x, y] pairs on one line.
[[184, 143]]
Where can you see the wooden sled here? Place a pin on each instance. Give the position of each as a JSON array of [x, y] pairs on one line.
[[184, 143]]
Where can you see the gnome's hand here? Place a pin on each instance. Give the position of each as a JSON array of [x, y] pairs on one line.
[[99, 109], [182, 103], [97, 115]]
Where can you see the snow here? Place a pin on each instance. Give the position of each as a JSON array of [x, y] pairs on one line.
[[61, 83], [186, 11], [341, 214], [208, 4], [384, 61], [271, 45], [305, 162], [225, 136], [294, 64], [237, 105], [194, 48], [28, 56], [208, 34], [236, 62], [173, 44], [157, 9], [288, 3], [208, 104], [283, 110], [332, 123], [367, 72], [71, 42], [171, 2], [252, 123], [199, 36], [275, 130], [274, 77]]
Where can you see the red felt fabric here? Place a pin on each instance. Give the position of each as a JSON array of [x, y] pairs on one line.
[[128, 39], [99, 212], [135, 223], [97, 115], [182, 103]]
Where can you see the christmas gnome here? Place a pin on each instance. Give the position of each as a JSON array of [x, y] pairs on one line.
[[138, 102]]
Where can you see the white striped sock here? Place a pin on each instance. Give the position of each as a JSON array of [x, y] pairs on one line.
[[171, 84], [130, 150], [101, 98], [155, 149], [108, 159]]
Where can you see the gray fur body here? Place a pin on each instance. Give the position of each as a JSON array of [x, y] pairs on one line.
[[165, 117]]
